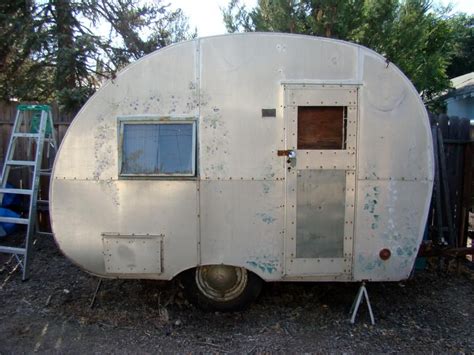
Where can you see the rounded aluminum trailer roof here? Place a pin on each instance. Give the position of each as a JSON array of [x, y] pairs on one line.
[[233, 212]]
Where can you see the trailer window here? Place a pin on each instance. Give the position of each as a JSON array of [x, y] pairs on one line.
[[158, 149]]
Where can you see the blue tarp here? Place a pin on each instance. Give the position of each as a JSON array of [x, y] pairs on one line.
[[10, 199], [7, 228]]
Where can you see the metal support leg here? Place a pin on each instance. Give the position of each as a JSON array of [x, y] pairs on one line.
[[95, 293], [358, 300]]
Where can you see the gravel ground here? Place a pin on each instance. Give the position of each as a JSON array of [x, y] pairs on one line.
[[432, 312]]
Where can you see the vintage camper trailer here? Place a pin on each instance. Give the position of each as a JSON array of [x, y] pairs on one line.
[[239, 158]]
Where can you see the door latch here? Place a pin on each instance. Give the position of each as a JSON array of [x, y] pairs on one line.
[[287, 153], [291, 155]]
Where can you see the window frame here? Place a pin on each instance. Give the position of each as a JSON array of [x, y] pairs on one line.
[[156, 120]]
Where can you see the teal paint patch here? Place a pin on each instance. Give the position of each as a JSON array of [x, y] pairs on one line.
[[369, 265], [213, 122], [268, 171], [252, 264], [218, 167], [396, 236], [372, 265], [375, 225], [370, 205], [408, 250], [266, 188], [370, 202], [264, 264], [268, 219]]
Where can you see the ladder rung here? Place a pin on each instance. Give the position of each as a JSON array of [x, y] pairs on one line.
[[14, 220], [12, 250], [43, 201], [21, 162], [18, 167], [7, 190], [45, 173], [46, 234], [26, 135]]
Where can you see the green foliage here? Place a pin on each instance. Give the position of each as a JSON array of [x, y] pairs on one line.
[[50, 49], [423, 41], [18, 41], [463, 60], [415, 38], [334, 19]]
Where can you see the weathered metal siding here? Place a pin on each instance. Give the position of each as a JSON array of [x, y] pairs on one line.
[[240, 76], [242, 192], [249, 227], [395, 173], [390, 214], [89, 199]]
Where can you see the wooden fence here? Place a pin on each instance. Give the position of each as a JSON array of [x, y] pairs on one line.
[[453, 194]]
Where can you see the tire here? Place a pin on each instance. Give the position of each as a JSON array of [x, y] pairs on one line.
[[221, 288]]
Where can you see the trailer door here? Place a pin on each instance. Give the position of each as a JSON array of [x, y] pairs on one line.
[[321, 142]]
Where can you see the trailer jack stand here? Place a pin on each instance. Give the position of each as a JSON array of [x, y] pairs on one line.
[[94, 296], [358, 300]]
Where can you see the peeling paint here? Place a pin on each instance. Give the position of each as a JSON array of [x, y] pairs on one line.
[[268, 219], [266, 188], [103, 152], [370, 263], [216, 135], [370, 203], [268, 171], [218, 167], [264, 263], [110, 188], [212, 121]]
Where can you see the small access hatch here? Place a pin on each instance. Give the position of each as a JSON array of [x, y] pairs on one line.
[[132, 254]]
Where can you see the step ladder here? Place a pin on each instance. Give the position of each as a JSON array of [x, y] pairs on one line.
[[34, 126]]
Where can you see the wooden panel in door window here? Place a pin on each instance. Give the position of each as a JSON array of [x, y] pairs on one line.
[[320, 127]]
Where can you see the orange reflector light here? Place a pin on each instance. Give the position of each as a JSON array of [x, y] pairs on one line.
[[385, 254]]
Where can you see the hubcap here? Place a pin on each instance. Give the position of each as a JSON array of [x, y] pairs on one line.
[[221, 282]]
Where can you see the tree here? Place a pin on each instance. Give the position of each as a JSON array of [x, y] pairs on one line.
[[463, 60], [330, 18], [136, 28], [21, 75], [49, 49], [417, 37]]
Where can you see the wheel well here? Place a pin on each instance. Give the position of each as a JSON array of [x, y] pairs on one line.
[[185, 271]]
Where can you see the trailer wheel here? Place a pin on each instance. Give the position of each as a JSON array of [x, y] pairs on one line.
[[221, 287]]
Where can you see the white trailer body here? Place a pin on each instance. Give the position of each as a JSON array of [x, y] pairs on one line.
[[293, 157]]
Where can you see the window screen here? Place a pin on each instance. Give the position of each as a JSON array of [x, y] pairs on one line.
[[158, 149]]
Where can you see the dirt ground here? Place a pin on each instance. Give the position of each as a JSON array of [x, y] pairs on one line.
[[50, 313]]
